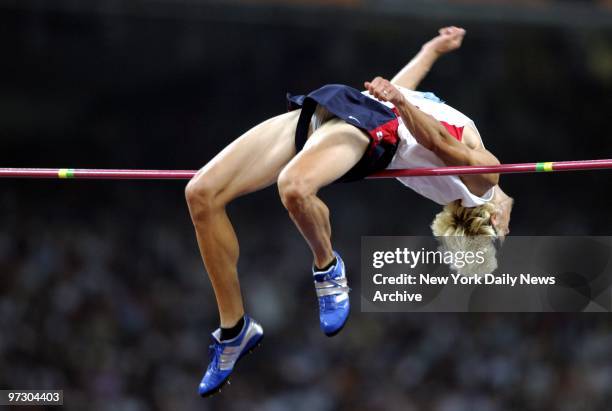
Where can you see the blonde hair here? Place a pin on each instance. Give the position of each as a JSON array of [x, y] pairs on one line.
[[456, 220], [465, 229]]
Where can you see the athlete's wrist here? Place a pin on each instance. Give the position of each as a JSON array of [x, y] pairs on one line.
[[399, 102], [431, 49]]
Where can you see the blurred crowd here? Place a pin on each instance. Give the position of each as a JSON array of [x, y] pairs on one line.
[[404, 3], [115, 310]]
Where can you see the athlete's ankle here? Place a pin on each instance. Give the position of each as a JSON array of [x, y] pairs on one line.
[[227, 333], [326, 265]]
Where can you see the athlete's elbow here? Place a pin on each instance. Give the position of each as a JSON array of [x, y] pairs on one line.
[[492, 179]]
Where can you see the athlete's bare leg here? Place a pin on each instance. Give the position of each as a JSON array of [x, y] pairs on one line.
[[250, 163], [329, 153]]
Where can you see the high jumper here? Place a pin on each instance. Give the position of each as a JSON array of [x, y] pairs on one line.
[[338, 134]]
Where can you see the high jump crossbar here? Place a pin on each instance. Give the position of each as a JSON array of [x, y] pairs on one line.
[[118, 174]]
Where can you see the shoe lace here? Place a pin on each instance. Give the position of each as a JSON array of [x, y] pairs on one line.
[[214, 354], [328, 302]]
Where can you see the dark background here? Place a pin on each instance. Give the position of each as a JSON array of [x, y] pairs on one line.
[[102, 291]]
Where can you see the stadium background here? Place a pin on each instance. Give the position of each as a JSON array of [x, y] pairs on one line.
[[102, 292]]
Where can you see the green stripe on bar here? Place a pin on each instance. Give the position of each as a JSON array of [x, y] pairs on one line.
[[547, 166], [65, 173]]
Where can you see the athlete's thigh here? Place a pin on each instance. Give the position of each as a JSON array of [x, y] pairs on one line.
[[331, 151], [254, 160]]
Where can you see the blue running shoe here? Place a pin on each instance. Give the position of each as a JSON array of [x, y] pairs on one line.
[[332, 292], [225, 354]]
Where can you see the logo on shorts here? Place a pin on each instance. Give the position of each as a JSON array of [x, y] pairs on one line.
[[353, 118]]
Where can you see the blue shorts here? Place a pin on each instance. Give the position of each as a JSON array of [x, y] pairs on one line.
[[377, 120]]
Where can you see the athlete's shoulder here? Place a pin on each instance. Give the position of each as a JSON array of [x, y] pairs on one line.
[[436, 107], [424, 95], [471, 138]]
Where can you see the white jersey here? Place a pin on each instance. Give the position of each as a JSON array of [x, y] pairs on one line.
[[410, 154]]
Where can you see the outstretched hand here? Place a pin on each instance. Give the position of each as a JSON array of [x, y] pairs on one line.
[[383, 90], [448, 39]]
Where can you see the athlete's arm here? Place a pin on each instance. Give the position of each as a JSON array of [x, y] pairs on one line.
[[414, 72], [431, 134]]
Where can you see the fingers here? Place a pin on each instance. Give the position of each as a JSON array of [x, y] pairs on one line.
[[451, 31], [381, 88], [459, 32], [448, 39], [374, 85], [377, 88]]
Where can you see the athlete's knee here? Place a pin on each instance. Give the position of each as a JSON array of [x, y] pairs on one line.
[[294, 190], [202, 196]]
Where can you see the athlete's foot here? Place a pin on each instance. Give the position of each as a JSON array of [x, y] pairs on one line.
[[332, 293], [225, 353]]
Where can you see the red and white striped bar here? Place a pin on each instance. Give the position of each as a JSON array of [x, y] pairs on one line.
[[118, 174]]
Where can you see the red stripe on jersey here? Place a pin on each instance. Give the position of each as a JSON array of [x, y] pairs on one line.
[[454, 131], [386, 132]]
